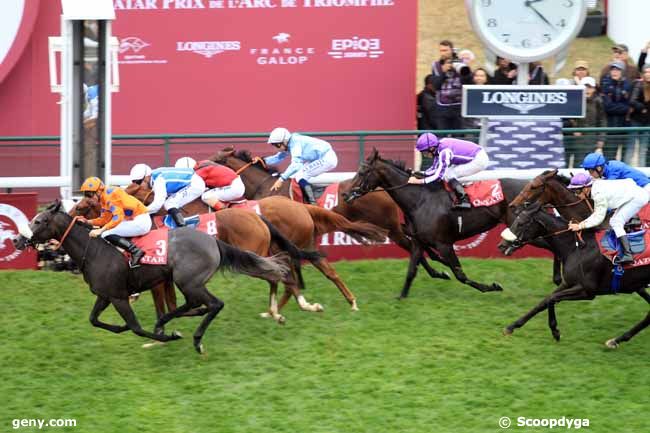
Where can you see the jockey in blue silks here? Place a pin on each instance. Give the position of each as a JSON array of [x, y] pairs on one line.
[[309, 157], [598, 167], [172, 187]]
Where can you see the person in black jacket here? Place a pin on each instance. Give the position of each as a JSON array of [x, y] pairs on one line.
[[640, 102], [505, 73], [426, 106]]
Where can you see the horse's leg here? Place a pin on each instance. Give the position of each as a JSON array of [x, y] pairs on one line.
[[557, 271], [326, 269], [407, 244], [98, 308], [214, 306], [614, 342], [170, 296], [414, 259], [552, 321], [273, 304], [290, 288], [562, 293], [124, 309], [448, 254], [158, 295]]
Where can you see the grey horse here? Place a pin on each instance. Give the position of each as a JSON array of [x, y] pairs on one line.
[[192, 258]]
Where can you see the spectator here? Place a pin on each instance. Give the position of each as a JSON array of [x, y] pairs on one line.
[[506, 72], [594, 118], [620, 54], [580, 71], [616, 91], [426, 107], [446, 51], [467, 57], [642, 56], [449, 91], [640, 101], [537, 74], [480, 77]]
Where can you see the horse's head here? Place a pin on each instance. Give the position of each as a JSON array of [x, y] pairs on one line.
[[239, 160], [365, 180], [45, 226], [224, 156], [544, 189], [142, 191], [531, 223]]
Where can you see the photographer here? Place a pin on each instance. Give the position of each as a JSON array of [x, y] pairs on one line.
[[449, 91], [506, 72]]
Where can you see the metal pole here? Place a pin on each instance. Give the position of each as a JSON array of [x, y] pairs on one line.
[[362, 148], [522, 74]]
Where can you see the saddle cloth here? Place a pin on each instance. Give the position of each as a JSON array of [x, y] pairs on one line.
[[482, 193], [154, 244], [326, 197], [609, 246], [251, 205]]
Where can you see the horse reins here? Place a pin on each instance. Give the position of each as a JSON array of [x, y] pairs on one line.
[[65, 235]]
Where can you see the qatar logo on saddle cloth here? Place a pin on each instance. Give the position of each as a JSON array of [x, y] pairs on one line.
[[483, 193], [154, 244]]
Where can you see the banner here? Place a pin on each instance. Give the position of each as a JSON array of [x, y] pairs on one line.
[[252, 65], [15, 209]]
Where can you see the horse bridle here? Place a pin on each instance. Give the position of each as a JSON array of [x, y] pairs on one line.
[[363, 189], [519, 244]]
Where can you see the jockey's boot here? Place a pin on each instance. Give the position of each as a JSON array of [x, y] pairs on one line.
[[307, 191], [626, 256], [136, 253], [463, 200], [177, 217]]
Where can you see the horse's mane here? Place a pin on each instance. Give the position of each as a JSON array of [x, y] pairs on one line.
[[245, 155], [397, 164], [565, 180]]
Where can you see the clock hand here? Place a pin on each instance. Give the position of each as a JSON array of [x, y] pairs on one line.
[[528, 4]]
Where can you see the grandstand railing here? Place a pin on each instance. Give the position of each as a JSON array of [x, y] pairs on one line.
[[629, 144]]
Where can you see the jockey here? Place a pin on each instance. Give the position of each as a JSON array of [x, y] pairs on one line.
[[454, 158], [172, 187], [224, 185], [309, 157], [121, 215], [598, 167], [621, 194]]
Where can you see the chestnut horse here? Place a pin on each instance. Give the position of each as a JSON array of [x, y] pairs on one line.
[[299, 223], [377, 208], [244, 230]]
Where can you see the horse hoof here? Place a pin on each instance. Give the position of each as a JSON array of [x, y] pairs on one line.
[[354, 306], [445, 276], [150, 345], [281, 320], [200, 349], [176, 335], [133, 298], [556, 336], [507, 332], [612, 344], [496, 287], [318, 308], [265, 315]]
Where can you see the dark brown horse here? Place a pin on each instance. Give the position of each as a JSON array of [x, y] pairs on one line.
[[299, 223], [377, 208], [240, 228]]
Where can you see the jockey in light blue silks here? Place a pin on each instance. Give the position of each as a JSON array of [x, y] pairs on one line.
[[172, 187], [309, 157]]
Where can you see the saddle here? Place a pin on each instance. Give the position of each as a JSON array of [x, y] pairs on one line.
[[639, 240]]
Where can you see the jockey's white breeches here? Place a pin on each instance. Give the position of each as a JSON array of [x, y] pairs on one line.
[[138, 226], [328, 162], [624, 213], [187, 194], [234, 191], [478, 164]]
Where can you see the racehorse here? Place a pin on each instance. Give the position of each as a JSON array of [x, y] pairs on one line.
[[587, 273], [192, 258], [299, 223], [378, 208], [429, 209], [246, 231]]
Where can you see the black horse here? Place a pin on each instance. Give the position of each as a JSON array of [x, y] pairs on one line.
[[586, 272], [192, 258], [434, 224]]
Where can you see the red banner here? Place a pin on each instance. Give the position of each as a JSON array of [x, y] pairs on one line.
[[340, 246], [15, 210]]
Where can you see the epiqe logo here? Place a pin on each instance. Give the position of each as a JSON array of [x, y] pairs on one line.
[[355, 48], [17, 22], [10, 219]]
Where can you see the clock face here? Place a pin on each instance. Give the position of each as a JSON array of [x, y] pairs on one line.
[[527, 30]]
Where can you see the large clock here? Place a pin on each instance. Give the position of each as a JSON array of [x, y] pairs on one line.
[[526, 30]]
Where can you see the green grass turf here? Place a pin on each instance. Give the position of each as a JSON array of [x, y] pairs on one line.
[[436, 362]]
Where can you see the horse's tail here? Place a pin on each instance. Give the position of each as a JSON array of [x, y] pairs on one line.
[[326, 221], [295, 253], [247, 263]]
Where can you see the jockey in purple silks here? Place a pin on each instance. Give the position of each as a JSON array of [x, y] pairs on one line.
[[453, 158]]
